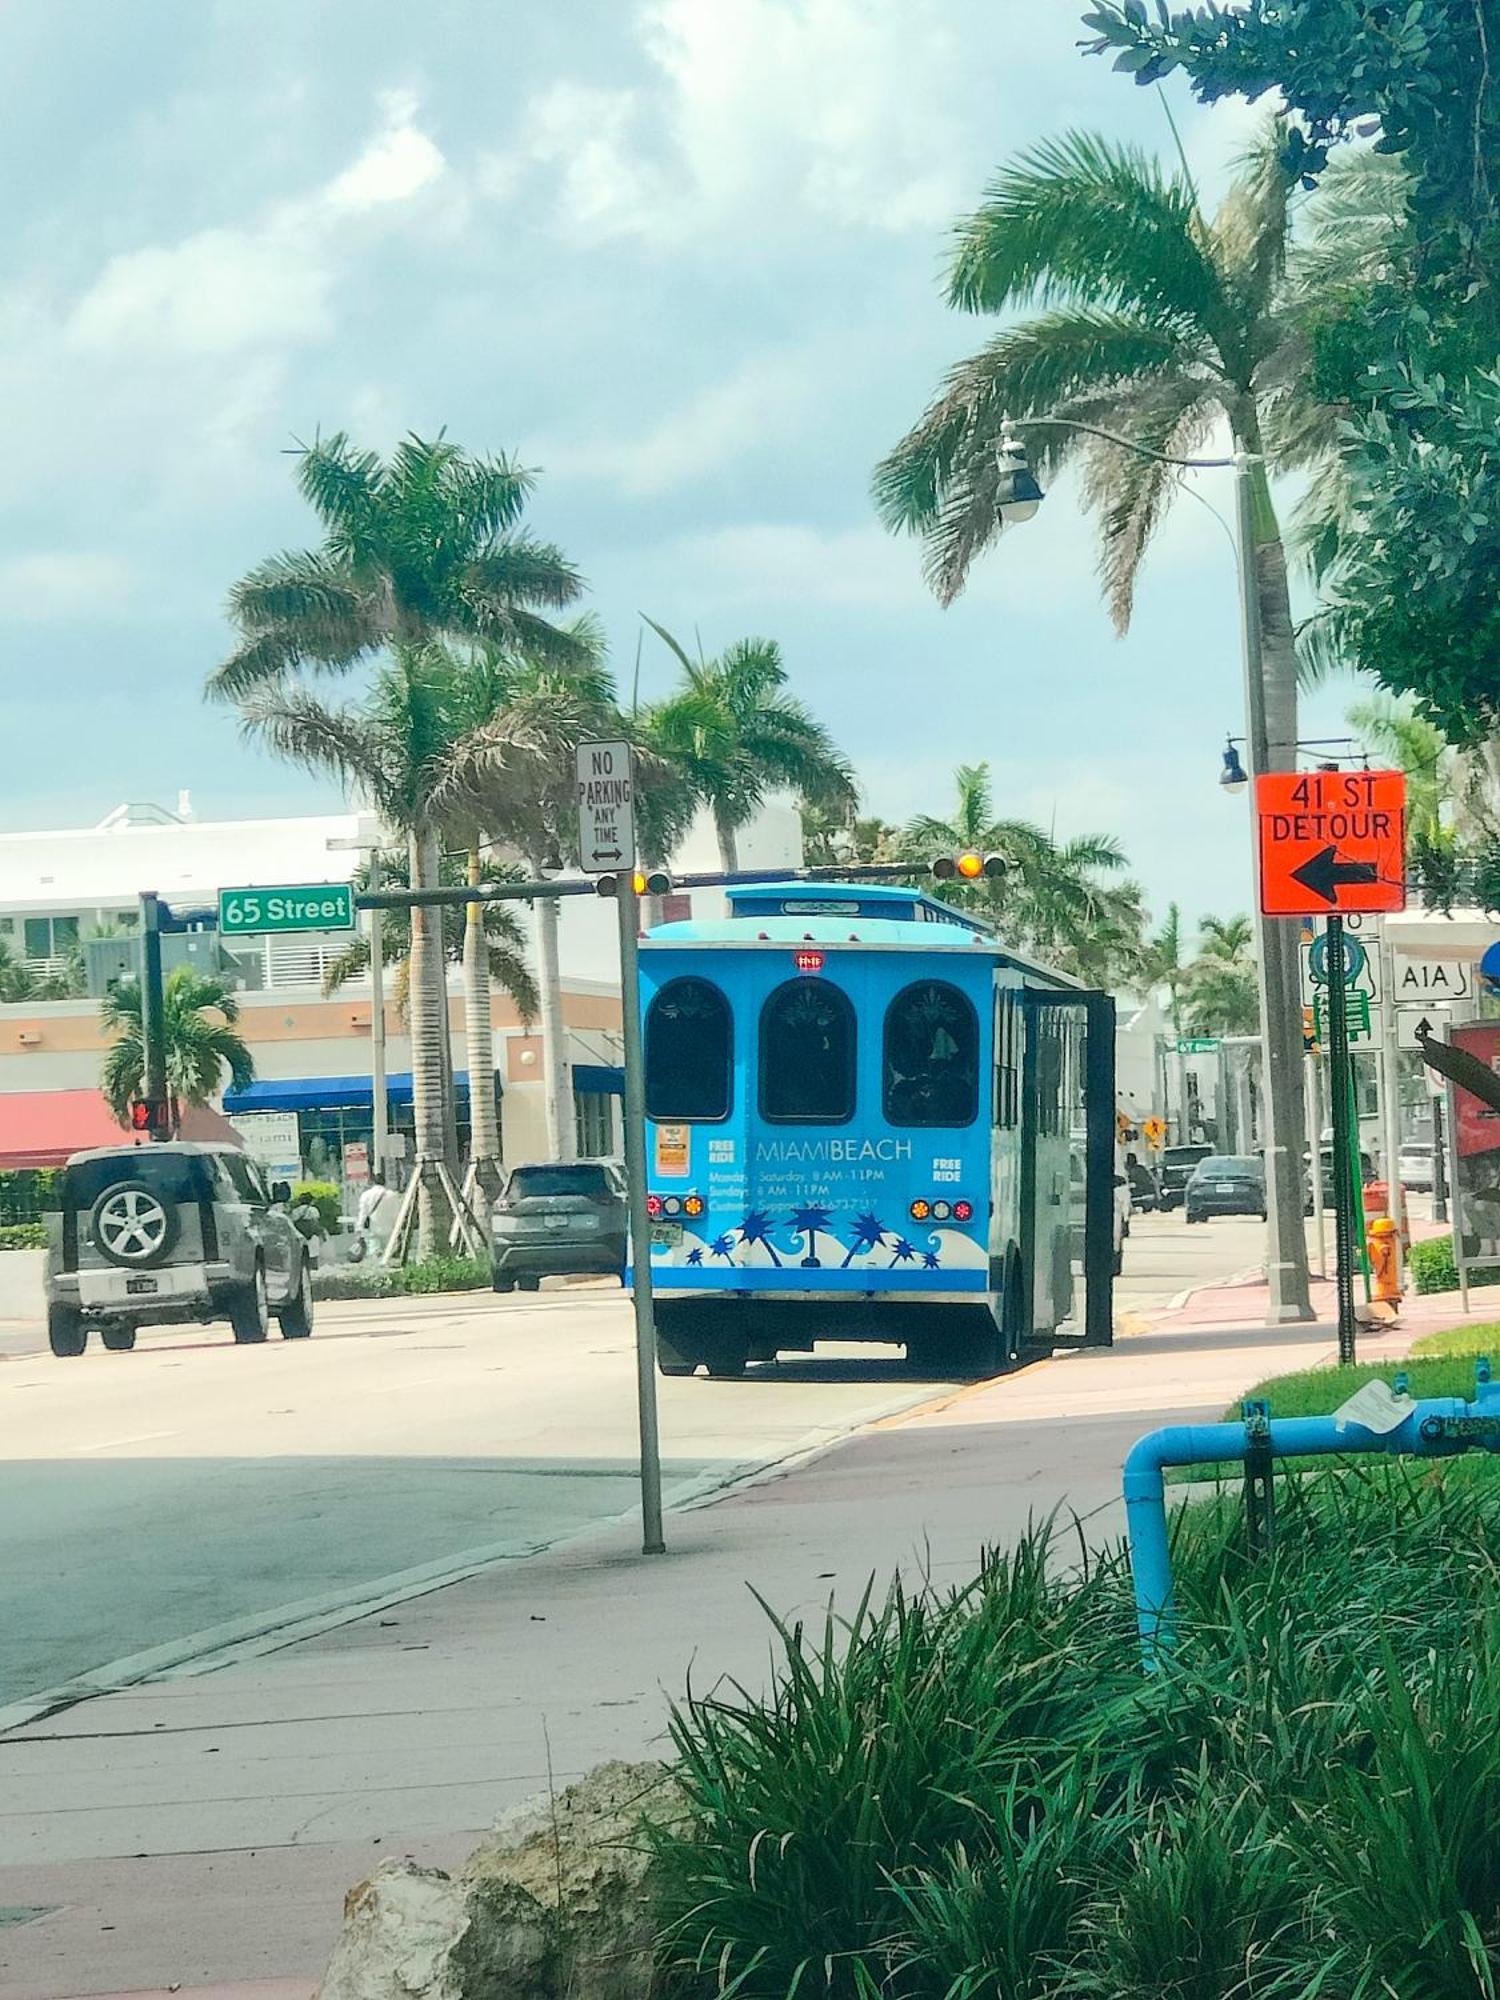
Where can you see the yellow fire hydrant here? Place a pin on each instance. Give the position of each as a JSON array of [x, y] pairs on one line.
[[1385, 1260]]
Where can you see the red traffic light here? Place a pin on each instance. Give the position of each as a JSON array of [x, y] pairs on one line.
[[148, 1114]]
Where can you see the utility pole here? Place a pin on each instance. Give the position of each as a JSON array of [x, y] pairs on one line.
[[153, 1011], [1390, 1094], [379, 1094], [1343, 1189], [1289, 1298]]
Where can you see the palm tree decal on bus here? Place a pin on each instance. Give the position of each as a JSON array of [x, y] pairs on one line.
[[903, 1252], [808, 1223], [756, 1228], [722, 1246], [869, 1234], [695, 1255], [930, 1260]]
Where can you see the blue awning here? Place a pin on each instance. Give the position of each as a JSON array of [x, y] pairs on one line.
[[602, 1077], [323, 1093]]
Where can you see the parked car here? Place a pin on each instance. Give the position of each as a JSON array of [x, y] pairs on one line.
[[1414, 1165], [1366, 1175], [1177, 1164], [146, 1235], [1225, 1184], [559, 1218]]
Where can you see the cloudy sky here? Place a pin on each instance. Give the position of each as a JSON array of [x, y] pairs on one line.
[[680, 255]]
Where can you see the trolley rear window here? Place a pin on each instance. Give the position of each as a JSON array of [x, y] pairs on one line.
[[689, 1053]]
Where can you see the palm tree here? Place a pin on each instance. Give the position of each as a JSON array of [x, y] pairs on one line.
[[1222, 993], [422, 546], [735, 734], [200, 1019], [412, 752], [1050, 898], [1157, 323], [1162, 964]]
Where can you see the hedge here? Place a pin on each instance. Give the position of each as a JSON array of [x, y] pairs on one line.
[[400, 1281], [1433, 1269], [23, 1236], [26, 1193]]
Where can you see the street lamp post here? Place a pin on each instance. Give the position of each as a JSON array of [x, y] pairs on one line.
[[1272, 746]]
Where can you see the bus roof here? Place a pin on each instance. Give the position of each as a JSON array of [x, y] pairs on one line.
[[749, 933], [745, 897]]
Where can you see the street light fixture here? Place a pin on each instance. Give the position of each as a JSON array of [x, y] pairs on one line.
[[1234, 777], [1280, 991]]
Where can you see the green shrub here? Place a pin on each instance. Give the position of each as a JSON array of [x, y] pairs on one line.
[[1433, 1269], [978, 1795], [26, 1193], [325, 1197], [23, 1236], [375, 1281]]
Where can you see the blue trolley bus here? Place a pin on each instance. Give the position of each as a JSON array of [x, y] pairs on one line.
[[867, 1119]]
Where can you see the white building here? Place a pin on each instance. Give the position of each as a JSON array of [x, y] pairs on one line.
[[312, 1054]]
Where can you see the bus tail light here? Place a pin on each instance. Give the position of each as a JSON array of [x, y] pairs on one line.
[[692, 1205], [963, 1211], [920, 1210], [653, 1207]]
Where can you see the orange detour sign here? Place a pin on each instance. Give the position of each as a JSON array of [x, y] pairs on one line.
[[1331, 842]]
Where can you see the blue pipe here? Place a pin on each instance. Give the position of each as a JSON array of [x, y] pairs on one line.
[[1440, 1427]]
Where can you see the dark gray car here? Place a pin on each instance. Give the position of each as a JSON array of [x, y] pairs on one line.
[[152, 1234], [559, 1219]]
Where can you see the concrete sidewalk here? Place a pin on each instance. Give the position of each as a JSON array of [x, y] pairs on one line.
[[201, 1831]]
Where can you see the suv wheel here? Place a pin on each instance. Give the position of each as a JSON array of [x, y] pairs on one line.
[[250, 1311], [296, 1316], [132, 1225], [117, 1338], [67, 1335]]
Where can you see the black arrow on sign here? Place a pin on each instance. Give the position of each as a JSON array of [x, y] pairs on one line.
[[1324, 874], [607, 853]]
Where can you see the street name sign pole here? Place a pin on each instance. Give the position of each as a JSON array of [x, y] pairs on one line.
[[606, 845], [1332, 843]]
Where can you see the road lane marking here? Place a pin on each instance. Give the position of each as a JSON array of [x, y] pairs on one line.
[[110, 1444]]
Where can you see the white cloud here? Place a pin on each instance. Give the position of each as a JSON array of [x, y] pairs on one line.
[[838, 108], [72, 584], [264, 284]]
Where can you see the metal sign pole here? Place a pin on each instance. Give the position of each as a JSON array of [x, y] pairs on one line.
[[1338, 1085], [628, 906], [380, 1121], [153, 1009], [1390, 1096]]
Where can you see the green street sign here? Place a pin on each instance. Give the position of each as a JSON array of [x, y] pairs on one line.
[[310, 906], [1197, 1045]]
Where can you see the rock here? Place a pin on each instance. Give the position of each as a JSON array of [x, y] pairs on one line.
[[554, 1905]]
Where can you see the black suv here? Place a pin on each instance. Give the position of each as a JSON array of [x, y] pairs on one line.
[[147, 1235], [559, 1218], [1177, 1164]]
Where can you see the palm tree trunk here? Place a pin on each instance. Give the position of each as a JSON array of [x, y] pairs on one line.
[[729, 854], [484, 1125], [557, 1077], [427, 997]]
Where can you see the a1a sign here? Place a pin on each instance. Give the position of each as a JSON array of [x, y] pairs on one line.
[[606, 807], [1331, 842], [1422, 981]]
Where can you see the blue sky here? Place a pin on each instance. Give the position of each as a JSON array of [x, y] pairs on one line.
[[682, 255]]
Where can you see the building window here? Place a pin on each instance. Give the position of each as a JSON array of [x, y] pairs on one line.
[[594, 1124], [689, 1053], [930, 1075], [807, 1055], [50, 937]]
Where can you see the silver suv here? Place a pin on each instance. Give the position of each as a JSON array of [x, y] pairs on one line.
[[156, 1233]]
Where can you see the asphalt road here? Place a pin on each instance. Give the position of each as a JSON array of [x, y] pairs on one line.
[[196, 1488]]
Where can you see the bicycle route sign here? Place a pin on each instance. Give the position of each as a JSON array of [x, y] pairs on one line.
[[606, 807]]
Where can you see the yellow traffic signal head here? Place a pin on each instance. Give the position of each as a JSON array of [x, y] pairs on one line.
[[971, 866]]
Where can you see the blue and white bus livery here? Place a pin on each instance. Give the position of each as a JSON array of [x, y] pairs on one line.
[[867, 1120]]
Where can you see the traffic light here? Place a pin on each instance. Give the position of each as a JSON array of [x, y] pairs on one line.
[[148, 1115], [1153, 1130], [968, 867], [648, 882]]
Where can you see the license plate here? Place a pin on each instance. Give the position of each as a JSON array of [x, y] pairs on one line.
[[557, 1222], [666, 1235], [1224, 1187], [139, 1287]]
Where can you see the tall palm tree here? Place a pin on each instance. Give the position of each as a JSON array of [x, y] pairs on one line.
[[734, 734], [1222, 995], [204, 1049], [1051, 898], [424, 545], [1157, 322], [411, 750]]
